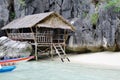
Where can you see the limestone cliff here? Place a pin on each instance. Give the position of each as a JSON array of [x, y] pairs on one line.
[[97, 22]]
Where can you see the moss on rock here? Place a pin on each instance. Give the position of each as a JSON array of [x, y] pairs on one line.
[[77, 50]]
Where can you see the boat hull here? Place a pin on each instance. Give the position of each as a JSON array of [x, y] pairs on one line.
[[9, 61], [7, 69]]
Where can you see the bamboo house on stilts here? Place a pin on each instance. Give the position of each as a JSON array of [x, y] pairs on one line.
[[48, 30]]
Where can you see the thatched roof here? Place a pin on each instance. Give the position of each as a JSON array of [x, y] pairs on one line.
[[49, 20]]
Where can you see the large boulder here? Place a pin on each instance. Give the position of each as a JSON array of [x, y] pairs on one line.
[[11, 48]]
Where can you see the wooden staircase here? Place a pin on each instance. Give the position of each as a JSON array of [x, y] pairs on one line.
[[61, 53]]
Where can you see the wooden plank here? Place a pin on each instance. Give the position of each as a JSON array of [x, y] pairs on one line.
[[33, 35], [51, 52]]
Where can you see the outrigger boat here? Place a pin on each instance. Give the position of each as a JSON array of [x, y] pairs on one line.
[[13, 61], [7, 68], [8, 65]]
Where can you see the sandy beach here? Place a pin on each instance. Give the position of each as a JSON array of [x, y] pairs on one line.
[[109, 59]]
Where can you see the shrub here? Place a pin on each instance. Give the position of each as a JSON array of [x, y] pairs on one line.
[[94, 18], [113, 3]]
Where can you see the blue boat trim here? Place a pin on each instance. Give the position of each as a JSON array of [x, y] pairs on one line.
[[7, 68]]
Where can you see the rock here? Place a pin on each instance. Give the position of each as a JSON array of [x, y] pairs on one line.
[[66, 5], [4, 14], [117, 35], [102, 35], [57, 9], [67, 14], [19, 8], [11, 48]]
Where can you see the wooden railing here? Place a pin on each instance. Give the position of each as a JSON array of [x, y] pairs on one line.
[[44, 37], [39, 37], [59, 38], [21, 35]]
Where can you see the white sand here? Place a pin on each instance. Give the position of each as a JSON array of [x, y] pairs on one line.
[[101, 58]]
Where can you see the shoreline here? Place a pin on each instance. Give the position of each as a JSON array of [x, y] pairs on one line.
[[108, 60]]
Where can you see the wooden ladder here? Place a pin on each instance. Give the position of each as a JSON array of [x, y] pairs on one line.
[[59, 50]]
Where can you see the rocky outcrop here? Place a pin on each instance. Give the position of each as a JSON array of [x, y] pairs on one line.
[[67, 8], [11, 48], [103, 35], [19, 8], [97, 28], [4, 13]]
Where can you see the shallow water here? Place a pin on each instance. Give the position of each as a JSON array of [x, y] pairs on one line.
[[53, 70]]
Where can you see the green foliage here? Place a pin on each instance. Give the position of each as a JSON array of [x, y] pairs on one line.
[[110, 3], [12, 15], [84, 14], [113, 3], [94, 18], [22, 2], [117, 9]]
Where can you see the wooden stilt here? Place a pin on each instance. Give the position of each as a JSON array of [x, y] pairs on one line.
[[36, 55], [64, 39], [6, 32], [36, 45], [34, 35], [51, 52]]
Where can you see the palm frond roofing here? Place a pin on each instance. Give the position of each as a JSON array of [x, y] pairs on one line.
[[42, 19]]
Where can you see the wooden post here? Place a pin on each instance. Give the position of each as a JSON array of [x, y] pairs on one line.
[[35, 42], [64, 39], [23, 33], [51, 47], [51, 51], [58, 36], [21, 38], [34, 35], [36, 55], [7, 33]]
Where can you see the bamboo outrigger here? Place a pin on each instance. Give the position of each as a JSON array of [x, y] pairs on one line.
[[48, 30]]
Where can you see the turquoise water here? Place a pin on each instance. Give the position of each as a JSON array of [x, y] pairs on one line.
[[51, 70]]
